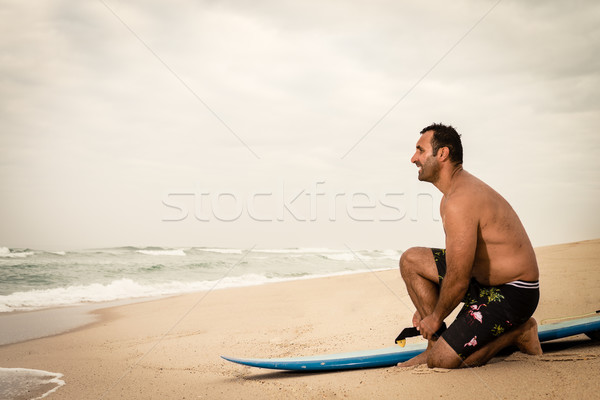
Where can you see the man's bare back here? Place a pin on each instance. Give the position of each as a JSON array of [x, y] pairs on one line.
[[503, 252]]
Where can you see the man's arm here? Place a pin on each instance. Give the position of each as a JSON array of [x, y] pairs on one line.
[[461, 226]]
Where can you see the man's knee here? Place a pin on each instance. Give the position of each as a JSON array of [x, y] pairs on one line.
[[412, 260], [443, 356]]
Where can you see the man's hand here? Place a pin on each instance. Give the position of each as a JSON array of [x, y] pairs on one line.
[[429, 326], [416, 320]]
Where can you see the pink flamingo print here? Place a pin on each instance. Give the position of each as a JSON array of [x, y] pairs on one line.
[[475, 313], [472, 342]]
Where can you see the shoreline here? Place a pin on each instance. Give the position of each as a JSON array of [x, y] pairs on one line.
[[171, 347], [23, 325]]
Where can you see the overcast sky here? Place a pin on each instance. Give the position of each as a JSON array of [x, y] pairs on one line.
[[216, 123]]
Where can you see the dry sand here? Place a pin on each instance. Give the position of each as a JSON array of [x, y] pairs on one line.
[[170, 348]]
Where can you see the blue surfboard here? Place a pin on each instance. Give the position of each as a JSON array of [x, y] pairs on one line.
[[390, 356]]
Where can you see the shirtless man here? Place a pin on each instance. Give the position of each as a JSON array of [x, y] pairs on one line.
[[489, 264]]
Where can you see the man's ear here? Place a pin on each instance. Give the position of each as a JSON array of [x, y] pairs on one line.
[[444, 153]]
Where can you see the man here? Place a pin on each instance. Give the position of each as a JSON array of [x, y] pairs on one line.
[[489, 264]]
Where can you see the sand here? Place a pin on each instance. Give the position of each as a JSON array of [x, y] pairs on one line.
[[170, 348]]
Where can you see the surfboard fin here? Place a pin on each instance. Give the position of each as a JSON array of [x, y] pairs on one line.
[[412, 332]]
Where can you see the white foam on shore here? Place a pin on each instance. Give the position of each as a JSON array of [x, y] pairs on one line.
[[19, 382], [129, 289], [116, 290]]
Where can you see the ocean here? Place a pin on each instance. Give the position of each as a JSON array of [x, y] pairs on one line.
[[35, 279]]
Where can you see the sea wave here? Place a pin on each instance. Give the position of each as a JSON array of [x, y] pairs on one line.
[[364, 255], [341, 257], [11, 253], [302, 250], [387, 254], [294, 251], [222, 251], [118, 289], [172, 252], [126, 288]]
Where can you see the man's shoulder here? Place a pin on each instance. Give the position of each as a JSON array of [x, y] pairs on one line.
[[459, 202], [465, 190], [469, 186], [475, 198], [469, 194]]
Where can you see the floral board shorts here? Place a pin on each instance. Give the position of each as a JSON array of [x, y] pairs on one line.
[[488, 312]]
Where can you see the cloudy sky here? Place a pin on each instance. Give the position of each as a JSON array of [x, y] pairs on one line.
[[289, 123]]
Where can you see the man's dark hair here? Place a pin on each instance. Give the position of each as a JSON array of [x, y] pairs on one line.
[[446, 136]]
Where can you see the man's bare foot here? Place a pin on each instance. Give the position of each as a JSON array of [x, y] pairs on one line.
[[528, 341], [416, 360]]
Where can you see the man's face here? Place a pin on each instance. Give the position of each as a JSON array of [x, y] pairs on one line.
[[425, 160]]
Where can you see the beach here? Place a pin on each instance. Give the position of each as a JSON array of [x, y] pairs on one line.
[[170, 348]]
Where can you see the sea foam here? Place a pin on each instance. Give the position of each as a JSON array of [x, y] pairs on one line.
[[129, 289], [177, 252], [20, 382], [116, 290], [8, 253]]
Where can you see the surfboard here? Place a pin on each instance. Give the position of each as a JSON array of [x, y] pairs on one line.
[[390, 356]]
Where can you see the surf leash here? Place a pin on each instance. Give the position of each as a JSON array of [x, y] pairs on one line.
[[413, 331]]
